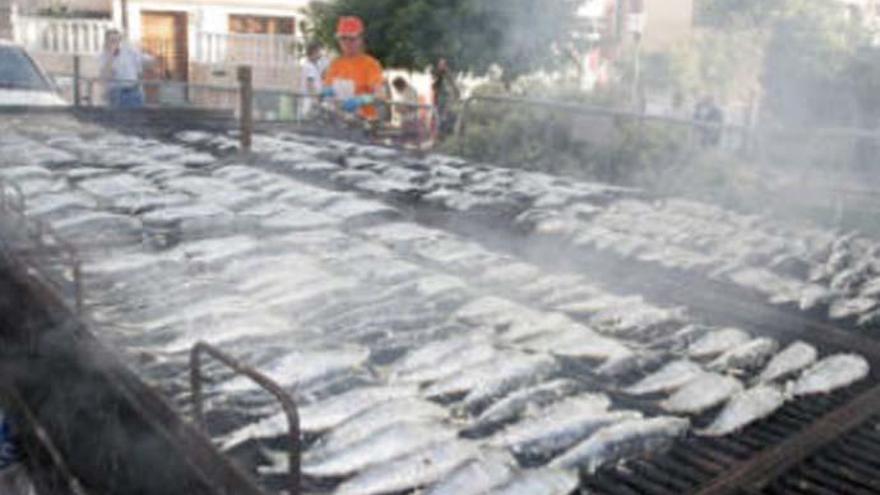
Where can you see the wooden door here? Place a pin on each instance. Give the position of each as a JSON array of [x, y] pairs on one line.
[[164, 35]]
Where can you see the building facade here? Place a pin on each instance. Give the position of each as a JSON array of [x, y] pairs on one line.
[[194, 41]]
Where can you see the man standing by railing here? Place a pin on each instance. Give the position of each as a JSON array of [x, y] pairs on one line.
[[121, 69], [313, 70], [354, 78]]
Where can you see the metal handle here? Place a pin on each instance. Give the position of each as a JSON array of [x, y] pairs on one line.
[[287, 402]]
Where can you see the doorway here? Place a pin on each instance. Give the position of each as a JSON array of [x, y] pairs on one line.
[[164, 35]]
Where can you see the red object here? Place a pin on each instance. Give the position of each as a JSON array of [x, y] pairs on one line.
[[350, 26]]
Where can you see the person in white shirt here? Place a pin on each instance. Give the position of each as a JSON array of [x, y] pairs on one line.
[[121, 69], [312, 83]]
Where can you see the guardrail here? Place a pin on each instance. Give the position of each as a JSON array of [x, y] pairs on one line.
[[41, 242], [255, 49], [287, 402], [61, 36], [400, 124], [71, 484]]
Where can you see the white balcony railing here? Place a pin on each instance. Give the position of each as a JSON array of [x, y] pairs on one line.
[[63, 36], [252, 49]]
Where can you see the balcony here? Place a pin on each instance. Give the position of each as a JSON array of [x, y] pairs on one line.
[[59, 35], [259, 50]]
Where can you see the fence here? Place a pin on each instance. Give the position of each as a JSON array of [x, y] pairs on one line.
[[398, 124], [86, 37], [252, 49], [62, 36]]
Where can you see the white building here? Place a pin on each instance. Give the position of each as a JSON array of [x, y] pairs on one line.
[[194, 40]]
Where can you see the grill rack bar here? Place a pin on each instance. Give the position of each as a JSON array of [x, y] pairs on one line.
[[774, 462], [287, 402]]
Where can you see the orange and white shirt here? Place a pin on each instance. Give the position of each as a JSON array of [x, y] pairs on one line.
[[355, 76]]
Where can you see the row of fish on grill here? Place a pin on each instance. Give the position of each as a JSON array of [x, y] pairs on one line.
[[805, 267], [421, 359]]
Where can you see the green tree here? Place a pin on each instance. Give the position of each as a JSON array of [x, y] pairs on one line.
[[519, 36]]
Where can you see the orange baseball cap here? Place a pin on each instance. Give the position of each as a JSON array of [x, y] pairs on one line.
[[350, 26]]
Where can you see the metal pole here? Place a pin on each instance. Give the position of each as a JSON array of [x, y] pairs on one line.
[[124, 7], [637, 74], [288, 405], [76, 77], [460, 124], [246, 92]]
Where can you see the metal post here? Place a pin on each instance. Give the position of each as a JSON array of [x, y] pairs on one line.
[[77, 286], [195, 382], [77, 73], [637, 75], [124, 8], [246, 92], [460, 125]]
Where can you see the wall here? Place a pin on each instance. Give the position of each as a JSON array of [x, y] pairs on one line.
[[5, 23], [95, 6], [667, 22], [210, 15]]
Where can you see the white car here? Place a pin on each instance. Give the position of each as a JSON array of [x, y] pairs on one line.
[[23, 82]]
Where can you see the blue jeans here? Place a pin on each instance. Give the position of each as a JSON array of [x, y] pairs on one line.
[[126, 97]]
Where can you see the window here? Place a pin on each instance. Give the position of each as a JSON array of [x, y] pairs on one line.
[[250, 24], [17, 71]]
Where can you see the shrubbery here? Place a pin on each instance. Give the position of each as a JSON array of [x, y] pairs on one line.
[[591, 146]]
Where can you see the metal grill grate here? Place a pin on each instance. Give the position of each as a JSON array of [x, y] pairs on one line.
[[693, 463]]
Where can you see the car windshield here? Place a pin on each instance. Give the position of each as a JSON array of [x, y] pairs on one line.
[[17, 71]]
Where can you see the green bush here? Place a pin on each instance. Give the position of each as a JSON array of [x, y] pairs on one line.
[[586, 145]]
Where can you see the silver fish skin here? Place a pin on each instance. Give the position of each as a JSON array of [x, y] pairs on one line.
[[477, 476], [829, 374], [335, 410], [744, 409], [682, 339], [375, 419], [545, 481], [623, 440], [430, 354], [553, 421], [269, 427], [449, 365], [480, 376], [793, 358], [546, 438], [635, 362], [668, 378], [705, 392], [717, 342], [748, 356], [397, 440], [565, 434], [302, 369], [528, 373], [411, 471], [514, 405], [582, 343]]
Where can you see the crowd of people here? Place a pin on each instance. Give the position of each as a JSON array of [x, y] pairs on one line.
[[356, 81], [353, 83]]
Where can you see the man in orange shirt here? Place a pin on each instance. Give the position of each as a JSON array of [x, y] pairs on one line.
[[355, 78]]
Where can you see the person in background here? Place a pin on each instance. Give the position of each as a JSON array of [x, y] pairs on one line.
[[312, 83], [446, 94], [121, 69], [406, 111], [354, 78], [711, 116]]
